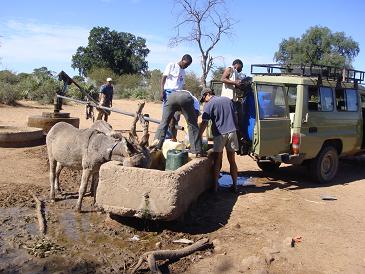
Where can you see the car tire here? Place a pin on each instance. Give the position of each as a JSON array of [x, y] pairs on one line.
[[268, 166], [324, 167]]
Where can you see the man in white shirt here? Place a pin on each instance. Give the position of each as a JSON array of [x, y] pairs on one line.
[[231, 79], [173, 80]]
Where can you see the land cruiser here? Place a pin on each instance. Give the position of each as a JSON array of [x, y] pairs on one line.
[[304, 115]]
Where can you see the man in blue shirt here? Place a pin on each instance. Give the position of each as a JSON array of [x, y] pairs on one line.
[[220, 110], [106, 99]]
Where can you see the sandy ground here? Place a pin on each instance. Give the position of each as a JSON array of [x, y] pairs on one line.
[[252, 232]]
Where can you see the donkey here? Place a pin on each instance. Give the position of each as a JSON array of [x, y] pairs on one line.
[[88, 149]]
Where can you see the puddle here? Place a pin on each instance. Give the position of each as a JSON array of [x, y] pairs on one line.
[[226, 180], [85, 238]]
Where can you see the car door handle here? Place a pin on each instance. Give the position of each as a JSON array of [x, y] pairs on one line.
[[312, 129]]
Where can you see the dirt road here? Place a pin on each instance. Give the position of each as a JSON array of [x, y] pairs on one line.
[[252, 232]]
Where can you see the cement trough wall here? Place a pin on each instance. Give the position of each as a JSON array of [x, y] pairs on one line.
[[149, 193]]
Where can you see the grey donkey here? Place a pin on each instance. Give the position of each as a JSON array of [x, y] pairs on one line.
[[88, 149]]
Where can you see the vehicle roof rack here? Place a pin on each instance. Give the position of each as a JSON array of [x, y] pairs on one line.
[[321, 71]]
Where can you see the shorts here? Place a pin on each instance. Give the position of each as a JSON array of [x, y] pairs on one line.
[[228, 141]]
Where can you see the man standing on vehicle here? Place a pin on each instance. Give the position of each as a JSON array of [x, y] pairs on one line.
[[220, 111], [173, 79], [105, 99], [231, 78]]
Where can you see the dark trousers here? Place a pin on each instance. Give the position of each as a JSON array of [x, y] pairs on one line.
[[240, 110], [180, 101]]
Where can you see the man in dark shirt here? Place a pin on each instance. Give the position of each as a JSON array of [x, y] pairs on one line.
[[106, 99], [220, 111]]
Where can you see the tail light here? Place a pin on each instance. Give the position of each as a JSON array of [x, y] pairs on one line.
[[295, 142]]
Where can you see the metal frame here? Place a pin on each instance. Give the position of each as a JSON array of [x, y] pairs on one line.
[[314, 70]]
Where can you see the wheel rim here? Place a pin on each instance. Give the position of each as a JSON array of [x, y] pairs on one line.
[[328, 165]]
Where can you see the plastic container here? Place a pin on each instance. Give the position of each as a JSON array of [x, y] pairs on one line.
[[168, 145], [175, 159]]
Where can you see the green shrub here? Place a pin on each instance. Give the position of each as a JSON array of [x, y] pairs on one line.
[[9, 93]]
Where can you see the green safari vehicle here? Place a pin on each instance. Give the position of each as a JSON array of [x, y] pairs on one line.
[[305, 115]]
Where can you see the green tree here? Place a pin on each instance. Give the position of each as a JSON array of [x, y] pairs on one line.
[[122, 52], [192, 83], [318, 45], [217, 73], [154, 84]]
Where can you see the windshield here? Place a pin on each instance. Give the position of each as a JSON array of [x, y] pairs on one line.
[[271, 100]]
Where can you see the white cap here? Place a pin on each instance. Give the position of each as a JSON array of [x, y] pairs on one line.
[[109, 79]]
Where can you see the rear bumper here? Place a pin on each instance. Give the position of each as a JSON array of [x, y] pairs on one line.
[[294, 159]]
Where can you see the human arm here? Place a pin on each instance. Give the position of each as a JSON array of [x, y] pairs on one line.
[[226, 75], [163, 81], [202, 126]]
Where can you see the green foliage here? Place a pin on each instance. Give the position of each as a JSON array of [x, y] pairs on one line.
[[9, 89], [318, 45], [9, 93], [192, 83], [121, 52], [99, 75], [154, 84], [217, 73]]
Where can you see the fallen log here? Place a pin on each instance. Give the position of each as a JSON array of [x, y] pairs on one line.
[[40, 217], [152, 256]]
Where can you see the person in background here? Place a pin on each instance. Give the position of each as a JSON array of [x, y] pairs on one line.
[[220, 111], [105, 99], [173, 79]]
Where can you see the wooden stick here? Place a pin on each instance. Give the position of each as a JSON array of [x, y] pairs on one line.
[[152, 256], [133, 133], [40, 217]]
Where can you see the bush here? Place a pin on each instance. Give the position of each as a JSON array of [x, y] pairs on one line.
[[9, 93]]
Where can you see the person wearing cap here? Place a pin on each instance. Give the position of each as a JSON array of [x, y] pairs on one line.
[[188, 104], [220, 110], [105, 99], [173, 79]]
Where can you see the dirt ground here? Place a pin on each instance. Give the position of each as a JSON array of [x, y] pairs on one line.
[[252, 232]]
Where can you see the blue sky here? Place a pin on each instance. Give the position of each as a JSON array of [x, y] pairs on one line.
[[47, 33]]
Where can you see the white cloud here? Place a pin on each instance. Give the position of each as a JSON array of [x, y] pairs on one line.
[[30, 43]]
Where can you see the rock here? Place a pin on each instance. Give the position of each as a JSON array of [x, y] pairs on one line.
[[237, 225], [158, 245], [217, 245]]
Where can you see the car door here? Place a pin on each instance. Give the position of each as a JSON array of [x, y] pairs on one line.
[[272, 129]]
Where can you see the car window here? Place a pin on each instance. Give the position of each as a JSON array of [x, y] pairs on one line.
[[346, 100], [351, 100], [320, 99], [271, 100]]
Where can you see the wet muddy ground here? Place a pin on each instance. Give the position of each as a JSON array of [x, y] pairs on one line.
[[252, 232]]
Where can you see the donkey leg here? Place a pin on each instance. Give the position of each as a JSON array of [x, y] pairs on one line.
[[94, 185], [86, 173], [52, 171], [59, 167]]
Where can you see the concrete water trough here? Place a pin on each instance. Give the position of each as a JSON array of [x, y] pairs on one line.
[[11, 136], [151, 193]]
